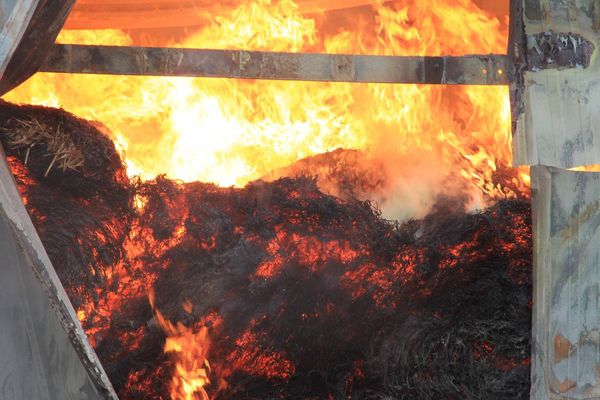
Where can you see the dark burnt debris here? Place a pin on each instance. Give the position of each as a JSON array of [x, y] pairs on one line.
[[559, 50], [306, 296]]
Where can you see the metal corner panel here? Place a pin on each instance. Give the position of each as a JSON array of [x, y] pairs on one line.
[[44, 352], [566, 296], [38, 25], [14, 18]]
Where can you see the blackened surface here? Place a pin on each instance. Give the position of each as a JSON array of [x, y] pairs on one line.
[[517, 56], [559, 50], [434, 70], [533, 10]]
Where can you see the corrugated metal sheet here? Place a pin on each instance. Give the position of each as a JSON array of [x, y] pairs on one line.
[[149, 14]]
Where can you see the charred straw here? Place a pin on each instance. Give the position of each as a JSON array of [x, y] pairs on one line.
[[305, 295]]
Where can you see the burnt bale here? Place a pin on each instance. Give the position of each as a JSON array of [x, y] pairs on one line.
[[305, 295]]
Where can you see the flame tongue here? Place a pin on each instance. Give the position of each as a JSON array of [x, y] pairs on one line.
[[190, 350]]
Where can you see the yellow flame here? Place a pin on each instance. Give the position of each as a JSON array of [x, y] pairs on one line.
[[190, 350], [231, 132]]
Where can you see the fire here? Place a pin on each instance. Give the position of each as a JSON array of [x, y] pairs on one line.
[[190, 349], [305, 295], [231, 132]]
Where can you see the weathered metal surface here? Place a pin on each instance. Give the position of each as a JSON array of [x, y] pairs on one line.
[[14, 17], [566, 299], [559, 50], [473, 70], [559, 126], [43, 349], [44, 26]]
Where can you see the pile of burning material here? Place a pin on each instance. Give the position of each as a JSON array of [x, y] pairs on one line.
[[81, 208], [275, 290]]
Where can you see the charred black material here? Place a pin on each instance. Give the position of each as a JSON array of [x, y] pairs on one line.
[[559, 50], [306, 296]]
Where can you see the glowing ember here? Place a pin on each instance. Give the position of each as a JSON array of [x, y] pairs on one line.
[[303, 295]]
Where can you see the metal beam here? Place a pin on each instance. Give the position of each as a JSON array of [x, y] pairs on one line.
[[156, 61]]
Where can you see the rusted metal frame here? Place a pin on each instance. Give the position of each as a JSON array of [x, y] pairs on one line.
[[155, 61]]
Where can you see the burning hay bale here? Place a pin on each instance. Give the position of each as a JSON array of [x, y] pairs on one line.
[[292, 293], [70, 152], [76, 191], [348, 174], [27, 134]]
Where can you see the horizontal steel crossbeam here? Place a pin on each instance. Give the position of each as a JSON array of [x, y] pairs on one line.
[[155, 61]]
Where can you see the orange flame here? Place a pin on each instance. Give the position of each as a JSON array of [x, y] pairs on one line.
[[231, 131], [190, 351]]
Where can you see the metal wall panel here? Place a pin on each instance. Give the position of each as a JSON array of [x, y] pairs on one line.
[[562, 85], [44, 353], [14, 17], [566, 299]]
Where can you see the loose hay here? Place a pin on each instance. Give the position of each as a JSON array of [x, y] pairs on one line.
[[29, 133]]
